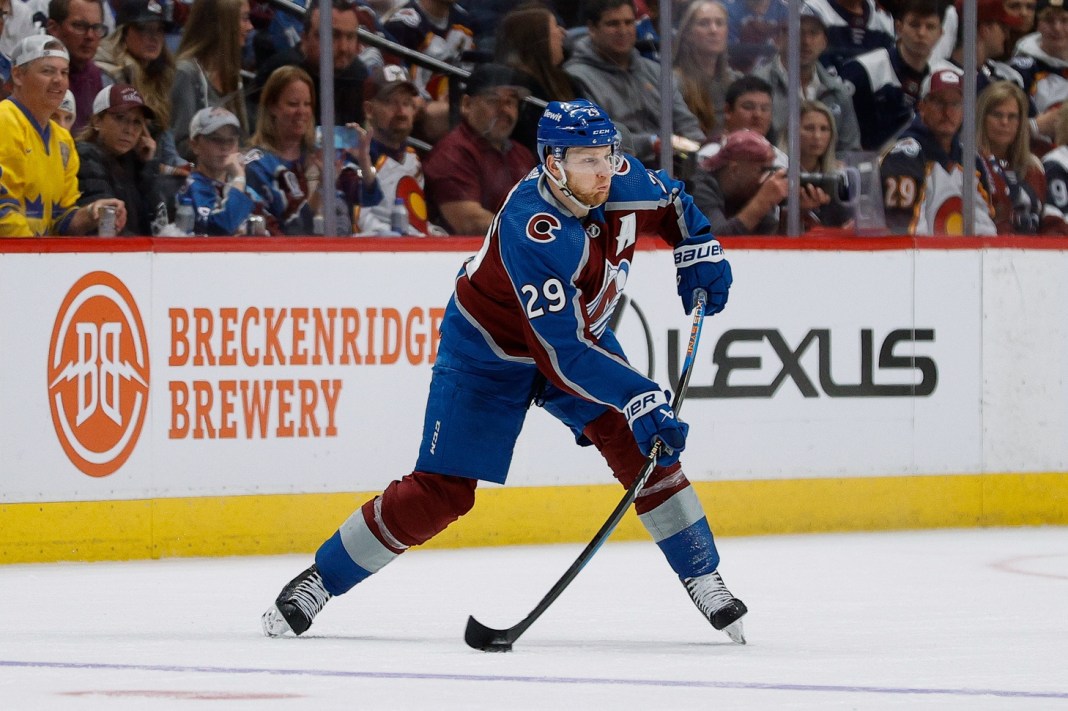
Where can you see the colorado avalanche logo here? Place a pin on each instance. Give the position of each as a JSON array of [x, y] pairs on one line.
[[624, 166], [604, 303], [542, 227], [949, 220]]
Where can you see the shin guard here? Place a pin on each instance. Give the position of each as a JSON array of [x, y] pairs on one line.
[[409, 512]]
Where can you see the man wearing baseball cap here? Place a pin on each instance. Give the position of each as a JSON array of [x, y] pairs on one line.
[[391, 103], [1042, 60], [740, 188], [922, 175], [38, 162], [471, 169]]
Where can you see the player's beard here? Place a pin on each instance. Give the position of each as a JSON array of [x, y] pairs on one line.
[[594, 196]]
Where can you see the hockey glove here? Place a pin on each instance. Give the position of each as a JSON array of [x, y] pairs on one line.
[[651, 418], [701, 265]]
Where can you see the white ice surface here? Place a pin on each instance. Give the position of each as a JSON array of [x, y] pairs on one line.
[[970, 619]]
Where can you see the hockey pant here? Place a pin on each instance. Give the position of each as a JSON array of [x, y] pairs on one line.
[[414, 509]]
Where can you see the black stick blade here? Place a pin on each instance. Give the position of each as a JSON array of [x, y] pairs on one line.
[[486, 639]]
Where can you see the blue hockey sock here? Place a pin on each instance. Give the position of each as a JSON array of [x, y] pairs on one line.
[[352, 554], [681, 530]]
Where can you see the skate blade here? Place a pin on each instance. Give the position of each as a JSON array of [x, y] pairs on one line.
[[274, 624], [735, 632]]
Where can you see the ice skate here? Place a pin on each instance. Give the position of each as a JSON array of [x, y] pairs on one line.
[[297, 605], [717, 604]]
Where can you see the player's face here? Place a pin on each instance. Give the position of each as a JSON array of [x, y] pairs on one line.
[[918, 34], [750, 110], [589, 173], [815, 133], [616, 34], [1001, 124], [119, 131], [943, 113], [42, 84], [708, 30], [1053, 28], [392, 117], [293, 112], [145, 42]]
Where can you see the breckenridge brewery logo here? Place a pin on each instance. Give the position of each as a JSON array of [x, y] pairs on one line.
[[98, 374]]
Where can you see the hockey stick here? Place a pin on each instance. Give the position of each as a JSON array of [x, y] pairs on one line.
[[487, 639]]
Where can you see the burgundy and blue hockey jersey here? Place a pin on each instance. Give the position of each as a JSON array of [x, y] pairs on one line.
[[542, 289]]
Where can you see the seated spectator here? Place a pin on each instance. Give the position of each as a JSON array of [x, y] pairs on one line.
[[390, 106], [817, 82], [886, 82], [79, 25], [753, 26], [740, 189], [349, 70], [118, 159], [991, 34], [471, 170], [443, 30], [530, 41], [208, 72], [284, 166], [702, 67], [216, 189], [606, 69], [1014, 177], [748, 106], [922, 175], [1042, 61], [854, 27], [1024, 11], [67, 111], [136, 54], [39, 175], [1055, 164], [5, 61], [816, 130]]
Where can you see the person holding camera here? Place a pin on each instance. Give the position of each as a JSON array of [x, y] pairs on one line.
[[741, 190], [818, 135]]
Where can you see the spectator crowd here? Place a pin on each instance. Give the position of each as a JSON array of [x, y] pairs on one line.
[[203, 117]]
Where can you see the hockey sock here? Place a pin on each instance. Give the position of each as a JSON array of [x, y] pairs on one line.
[[667, 505], [409, 512]]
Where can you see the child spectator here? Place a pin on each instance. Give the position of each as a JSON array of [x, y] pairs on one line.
[[216, 190], [67, 111]]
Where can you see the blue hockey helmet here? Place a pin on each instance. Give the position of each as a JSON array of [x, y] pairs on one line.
[[574, 124]]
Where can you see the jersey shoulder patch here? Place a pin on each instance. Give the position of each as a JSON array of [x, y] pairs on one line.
[[543, 227], [907, 147]]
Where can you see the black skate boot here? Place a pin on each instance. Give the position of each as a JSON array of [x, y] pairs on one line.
[[297, 605], [717, 604]]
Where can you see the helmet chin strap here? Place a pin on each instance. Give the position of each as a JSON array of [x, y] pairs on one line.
[[561, 184]]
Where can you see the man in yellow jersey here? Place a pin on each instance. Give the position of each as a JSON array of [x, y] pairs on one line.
[[38, 162]]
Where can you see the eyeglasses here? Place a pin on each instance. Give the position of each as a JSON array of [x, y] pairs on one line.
[[81, 28]]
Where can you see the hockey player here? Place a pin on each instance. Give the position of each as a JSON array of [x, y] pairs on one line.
[[528, 322]]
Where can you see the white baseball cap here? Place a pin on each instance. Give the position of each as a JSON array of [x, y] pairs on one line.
[[209, 120], [69, 104], [34, 47]]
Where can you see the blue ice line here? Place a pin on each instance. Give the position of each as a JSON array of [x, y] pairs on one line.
[[696, 684]]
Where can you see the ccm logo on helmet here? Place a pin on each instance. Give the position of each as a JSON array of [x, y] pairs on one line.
[[542, 227], [691, 254]]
